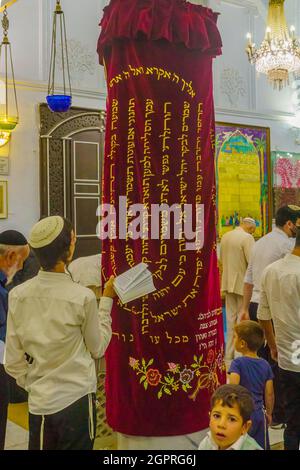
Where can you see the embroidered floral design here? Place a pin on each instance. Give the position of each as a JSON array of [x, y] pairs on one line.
[[133, 362], [186, 376], [190, 379], [153, 377], [220, 361], [210, 356], [172, 367]]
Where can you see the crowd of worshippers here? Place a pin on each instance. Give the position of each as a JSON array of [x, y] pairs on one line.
[[261, 284], [52, 330]]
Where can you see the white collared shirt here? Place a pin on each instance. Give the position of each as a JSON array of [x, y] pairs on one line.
[[280, 302], [208, 443], [86, 270], [270, 248], [57, 323]]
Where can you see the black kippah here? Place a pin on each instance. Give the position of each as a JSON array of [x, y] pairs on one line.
[[12, 237]]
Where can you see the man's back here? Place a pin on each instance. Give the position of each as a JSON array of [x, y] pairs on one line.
[[280, 300], [86, 270], [272, 247], [49, 314], [235, 252]]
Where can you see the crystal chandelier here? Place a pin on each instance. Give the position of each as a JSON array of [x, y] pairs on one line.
[[279, 53]]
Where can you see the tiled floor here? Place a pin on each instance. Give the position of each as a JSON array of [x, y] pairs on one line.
[[276, 438], [17, 438]]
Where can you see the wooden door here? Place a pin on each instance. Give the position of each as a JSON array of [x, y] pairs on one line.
[[71, 158], [85, 188]]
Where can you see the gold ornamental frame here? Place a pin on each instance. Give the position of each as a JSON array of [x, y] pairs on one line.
[[3, 200]]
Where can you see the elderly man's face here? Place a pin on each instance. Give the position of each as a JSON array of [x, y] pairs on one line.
[[251, 229], [14, 260]]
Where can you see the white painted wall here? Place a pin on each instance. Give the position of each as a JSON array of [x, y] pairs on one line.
[[30, 36], [239, 96]]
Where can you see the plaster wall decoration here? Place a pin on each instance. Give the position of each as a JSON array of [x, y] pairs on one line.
[[232, 85], [296, 101], [254, 6], [81, 60], [199, 2], [295, 131]]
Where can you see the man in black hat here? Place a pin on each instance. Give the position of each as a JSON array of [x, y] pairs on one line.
[[14, 250]]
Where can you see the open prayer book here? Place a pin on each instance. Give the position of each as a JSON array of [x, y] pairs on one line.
[[134, 283]]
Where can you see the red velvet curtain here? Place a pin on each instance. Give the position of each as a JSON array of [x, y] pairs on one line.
[[166, 355]]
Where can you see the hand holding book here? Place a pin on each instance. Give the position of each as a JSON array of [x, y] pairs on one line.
[[134, 283], [109, 288]]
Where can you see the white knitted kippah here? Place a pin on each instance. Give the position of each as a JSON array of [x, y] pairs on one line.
[[249, 220], [46, 231], [293, 208]]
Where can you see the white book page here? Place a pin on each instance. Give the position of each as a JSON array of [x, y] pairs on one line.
[[142, 279], [138, 285], [125, 280], [137, 293]]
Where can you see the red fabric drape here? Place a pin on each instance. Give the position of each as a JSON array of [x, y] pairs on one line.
[[166, 355], [176, 21]]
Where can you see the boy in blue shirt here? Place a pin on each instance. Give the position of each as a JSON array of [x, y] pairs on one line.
[[256, 375]]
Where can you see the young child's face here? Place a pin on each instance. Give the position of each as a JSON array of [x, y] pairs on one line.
[[238, 343], [226, 425]]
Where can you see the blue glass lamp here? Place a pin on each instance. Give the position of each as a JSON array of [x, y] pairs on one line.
[[59, 102]]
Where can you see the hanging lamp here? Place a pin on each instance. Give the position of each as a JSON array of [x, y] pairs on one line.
[[279, 54], [59, 103], [8, 121]]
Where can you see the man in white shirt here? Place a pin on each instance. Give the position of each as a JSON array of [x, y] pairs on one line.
[[280, 303], [272, 247], [235, 249], [54, 333], [86, 270]]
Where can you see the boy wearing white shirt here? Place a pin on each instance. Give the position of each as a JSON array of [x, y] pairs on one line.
[[231, 408], [54, 333]]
